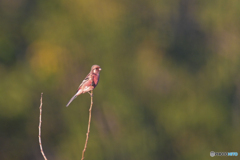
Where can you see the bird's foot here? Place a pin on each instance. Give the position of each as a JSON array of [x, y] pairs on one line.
[[90, 94]]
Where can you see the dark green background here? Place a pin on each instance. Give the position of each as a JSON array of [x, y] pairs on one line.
[[169, 86]]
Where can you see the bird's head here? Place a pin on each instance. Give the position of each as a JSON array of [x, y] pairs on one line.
[[96, 69]]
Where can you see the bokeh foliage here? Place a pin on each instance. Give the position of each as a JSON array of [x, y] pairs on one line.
[[169, 86]]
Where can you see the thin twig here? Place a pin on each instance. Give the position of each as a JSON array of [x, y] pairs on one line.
[[39, 127], [89, 122]]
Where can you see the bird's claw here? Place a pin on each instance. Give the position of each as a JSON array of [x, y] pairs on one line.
[[90, 94]]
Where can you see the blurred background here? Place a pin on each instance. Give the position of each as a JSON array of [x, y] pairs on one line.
[[169, 86]]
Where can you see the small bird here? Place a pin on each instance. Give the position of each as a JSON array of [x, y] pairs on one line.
[[89, 83]]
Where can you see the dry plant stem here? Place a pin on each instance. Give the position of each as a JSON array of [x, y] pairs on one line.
[[89, 122], [39, 128]]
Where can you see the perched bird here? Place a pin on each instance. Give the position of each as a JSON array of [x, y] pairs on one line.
[[89, 83]]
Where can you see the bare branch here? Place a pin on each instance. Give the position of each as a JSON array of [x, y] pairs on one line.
[[39, 127], [89, 122]]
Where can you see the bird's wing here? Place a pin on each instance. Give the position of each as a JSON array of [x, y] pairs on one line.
[[84, 81]]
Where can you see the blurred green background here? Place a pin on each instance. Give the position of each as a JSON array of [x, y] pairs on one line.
[[169, 86]]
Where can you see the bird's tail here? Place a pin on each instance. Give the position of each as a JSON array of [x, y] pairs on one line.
[[71, 100]]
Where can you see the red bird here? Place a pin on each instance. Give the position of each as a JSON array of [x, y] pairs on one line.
[[89, 83]]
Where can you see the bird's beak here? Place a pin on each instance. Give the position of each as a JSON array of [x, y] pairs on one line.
[[100, 69]]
